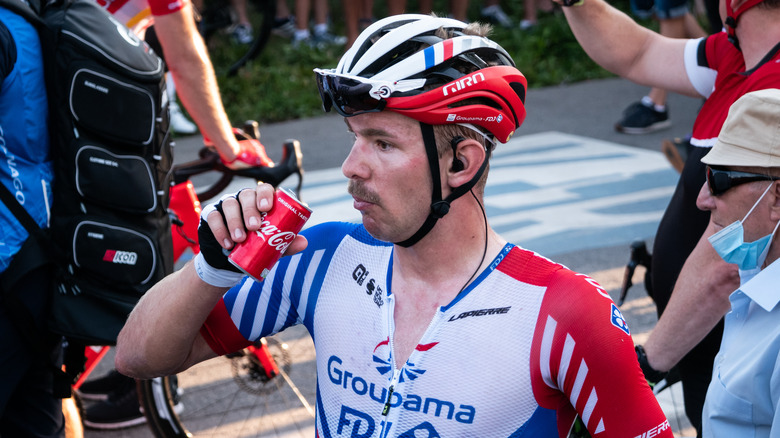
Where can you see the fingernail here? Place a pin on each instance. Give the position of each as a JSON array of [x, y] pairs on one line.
[[253, 221], [227, 243], [263, 203], [237, 234]]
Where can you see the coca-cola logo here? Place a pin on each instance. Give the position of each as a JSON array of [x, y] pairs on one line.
[[275, 237]]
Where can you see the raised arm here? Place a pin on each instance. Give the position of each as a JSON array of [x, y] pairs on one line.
[[196, 85], [162, 334], [617, 43]]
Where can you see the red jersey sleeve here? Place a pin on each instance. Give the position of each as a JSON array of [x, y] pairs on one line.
[[221, 333], [163, 7], [583, 362]]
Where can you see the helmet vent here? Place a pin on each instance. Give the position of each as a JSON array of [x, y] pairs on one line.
[[519, 90]]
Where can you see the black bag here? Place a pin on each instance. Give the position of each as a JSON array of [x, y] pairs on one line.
[[112, 159]]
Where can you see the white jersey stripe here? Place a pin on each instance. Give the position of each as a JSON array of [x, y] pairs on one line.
[[589, 406], [546, 351], [238, 305], [568, 349], [578, 382], [314, 266]]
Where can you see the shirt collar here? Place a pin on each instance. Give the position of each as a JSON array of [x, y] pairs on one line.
[[763, 287]]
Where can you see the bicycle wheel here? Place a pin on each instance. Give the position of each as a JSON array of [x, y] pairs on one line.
[[227, 54], [208, 399]]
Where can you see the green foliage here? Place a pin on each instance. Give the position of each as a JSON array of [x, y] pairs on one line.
[[280, 85]]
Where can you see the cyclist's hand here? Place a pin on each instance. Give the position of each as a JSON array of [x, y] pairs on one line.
[[244, 212], [252, 154]]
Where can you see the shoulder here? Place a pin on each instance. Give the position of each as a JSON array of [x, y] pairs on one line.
[[330, 233]]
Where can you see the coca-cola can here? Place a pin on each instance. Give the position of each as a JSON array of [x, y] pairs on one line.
[[256, 255]]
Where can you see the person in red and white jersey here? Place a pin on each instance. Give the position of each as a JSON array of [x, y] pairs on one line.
[[721, 67], [426, 322], [187, 58]]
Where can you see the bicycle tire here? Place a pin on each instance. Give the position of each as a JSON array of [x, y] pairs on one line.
[[228, 56], [212, 403]]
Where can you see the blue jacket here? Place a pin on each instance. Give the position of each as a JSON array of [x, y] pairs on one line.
[[25, 165]]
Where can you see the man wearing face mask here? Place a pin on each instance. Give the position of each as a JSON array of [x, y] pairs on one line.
[[742, 194]]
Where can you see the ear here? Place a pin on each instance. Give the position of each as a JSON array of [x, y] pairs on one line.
[[467, 157], [774, 207]]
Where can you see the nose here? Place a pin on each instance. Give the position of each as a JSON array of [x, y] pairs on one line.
[[705, 201], [354, 166]]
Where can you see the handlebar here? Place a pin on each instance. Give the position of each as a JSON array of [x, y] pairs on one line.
[[291, 163]]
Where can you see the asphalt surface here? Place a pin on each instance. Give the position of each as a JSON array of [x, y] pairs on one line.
[[585, 111]]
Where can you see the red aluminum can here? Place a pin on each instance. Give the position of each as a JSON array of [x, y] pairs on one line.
[[263, 248]]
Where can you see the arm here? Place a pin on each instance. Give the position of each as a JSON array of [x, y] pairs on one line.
[[188, 60], [162, 334], [699, 300], [617, 43], [583, 362]]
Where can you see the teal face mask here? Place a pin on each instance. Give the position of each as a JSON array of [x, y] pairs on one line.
[[730, 245]]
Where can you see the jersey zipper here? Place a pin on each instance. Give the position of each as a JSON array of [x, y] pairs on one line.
[[397, 372]]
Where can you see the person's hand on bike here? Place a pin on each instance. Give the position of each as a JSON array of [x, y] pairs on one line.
[[251, 152]]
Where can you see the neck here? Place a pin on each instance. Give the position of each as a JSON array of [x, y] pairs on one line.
[[445, 259], [758, 32]]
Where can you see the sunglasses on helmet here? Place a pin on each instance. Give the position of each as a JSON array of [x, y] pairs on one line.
[[353, 95], [721, 180]]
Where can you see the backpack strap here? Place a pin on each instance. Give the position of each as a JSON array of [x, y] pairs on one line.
[[35, 254]]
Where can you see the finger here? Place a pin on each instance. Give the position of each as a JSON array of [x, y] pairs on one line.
[[219, 229], [299, 244], [257, 204], [231, 209], [251, 216]]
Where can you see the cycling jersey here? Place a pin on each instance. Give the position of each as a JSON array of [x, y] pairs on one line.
[[138, 14], [25, 164], [519, 352], [732, 81]]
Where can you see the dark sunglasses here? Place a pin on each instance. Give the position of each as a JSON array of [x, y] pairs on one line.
[[351, 96], [721, 180]]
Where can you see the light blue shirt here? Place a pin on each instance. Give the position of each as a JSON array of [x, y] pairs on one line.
[[743, 399]]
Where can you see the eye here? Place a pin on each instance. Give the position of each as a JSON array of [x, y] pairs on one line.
[[383, 145]]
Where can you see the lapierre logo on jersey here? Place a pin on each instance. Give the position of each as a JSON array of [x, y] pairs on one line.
[[120, 257], [372, 289], [618, 320], [482, 312], [655, 431]]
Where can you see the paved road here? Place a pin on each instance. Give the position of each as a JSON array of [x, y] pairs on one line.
[[566, 186]]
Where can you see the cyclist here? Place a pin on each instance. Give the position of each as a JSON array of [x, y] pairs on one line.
[[27, 405], [721, 68], [186, 56], [425, 320]]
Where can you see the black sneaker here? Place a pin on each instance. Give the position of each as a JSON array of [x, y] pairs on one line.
[[639, 118], [119, 411], [100, 388]]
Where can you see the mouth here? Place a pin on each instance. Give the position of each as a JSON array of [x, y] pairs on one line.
[[362, 197]]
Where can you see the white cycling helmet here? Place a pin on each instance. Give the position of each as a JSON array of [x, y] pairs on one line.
[[404, 64]]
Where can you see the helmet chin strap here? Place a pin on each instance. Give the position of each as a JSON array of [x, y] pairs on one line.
[[439, 206], [733, 15]]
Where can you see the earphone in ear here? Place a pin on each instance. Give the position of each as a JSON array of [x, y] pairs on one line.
[[457, 165]]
